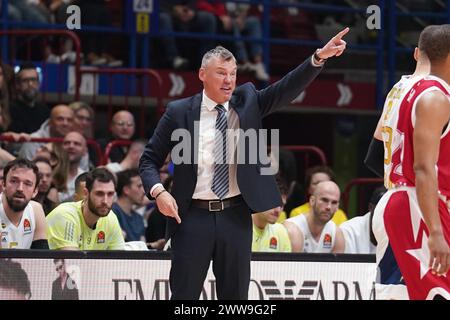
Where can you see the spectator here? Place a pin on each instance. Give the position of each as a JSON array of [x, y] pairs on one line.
[[84, 118], [320, 233], [59, 124], [91, 222], [288, 172], [47, 196], [80, 184], [14, 283], [122, 128], [83, 123], [22, 221], [250, 26], [169, 44], [5, 157], [268, 235], [64, 287], [130, 192], [24, 11], [27, 113], [235, 22], [96, 46], [60, 165], [358, 234], [5, 116], [314, 176], [131, 160], [182, 16], [74, 145], [45, 152]]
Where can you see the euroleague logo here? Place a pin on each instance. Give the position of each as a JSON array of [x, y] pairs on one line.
[[273, 243], [327, 240], [26, 226], [101, 237]]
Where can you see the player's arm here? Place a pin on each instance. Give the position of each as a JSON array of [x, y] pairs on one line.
[[63, 231], [339, 246], [374, 159], [40, 232], [432, 115], [115, 240], [377, 133], [295, 236]]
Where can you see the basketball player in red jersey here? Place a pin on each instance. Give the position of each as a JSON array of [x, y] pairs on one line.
[[412, 221]]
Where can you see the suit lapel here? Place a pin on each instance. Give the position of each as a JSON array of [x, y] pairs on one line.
[[237, 107], [193, 116]]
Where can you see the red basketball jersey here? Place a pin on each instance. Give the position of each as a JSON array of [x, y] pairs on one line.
[[398, 128]]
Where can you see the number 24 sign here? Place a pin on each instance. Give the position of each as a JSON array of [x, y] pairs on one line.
[[143, 6]]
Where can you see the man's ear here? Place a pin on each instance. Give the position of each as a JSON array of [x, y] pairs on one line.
[[126, 190], [35, 192], [201, 74], [85, 192]]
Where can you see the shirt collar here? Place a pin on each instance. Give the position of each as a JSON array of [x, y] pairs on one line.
[[210, 104]]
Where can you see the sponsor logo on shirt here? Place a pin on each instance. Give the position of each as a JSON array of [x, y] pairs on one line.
[[327, 240], [101, 237], [26, 226], [273, 243], [3, 237]]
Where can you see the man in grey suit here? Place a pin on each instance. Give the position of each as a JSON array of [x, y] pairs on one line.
[[212, 198]]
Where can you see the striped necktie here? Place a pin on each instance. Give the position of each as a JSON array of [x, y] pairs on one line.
[[220, 184]]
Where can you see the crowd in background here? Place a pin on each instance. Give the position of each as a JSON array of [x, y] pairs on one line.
[[63, 166]]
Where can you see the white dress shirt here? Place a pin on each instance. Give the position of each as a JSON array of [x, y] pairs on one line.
[[205, 171]]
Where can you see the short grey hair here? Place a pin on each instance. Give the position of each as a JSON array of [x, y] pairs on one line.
[[218, 52], [80, 105]]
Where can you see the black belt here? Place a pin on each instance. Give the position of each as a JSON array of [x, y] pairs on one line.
[[217, 205]]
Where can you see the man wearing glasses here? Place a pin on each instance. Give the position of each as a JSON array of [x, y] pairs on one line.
[[122, 128], [27, 113], [63, 287]]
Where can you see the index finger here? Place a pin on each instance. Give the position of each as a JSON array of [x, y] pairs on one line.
[[177, 217], [341, 34]]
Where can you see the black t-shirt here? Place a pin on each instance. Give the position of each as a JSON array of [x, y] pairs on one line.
[[25, 118]]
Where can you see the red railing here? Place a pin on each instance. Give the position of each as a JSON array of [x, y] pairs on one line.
[[54, 32], [90, 142], [113, 144], [154, 81], [152, 74], [359, 182], [307, 150]]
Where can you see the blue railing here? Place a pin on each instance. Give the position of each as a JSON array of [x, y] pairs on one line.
[[139, 43], [393, 14]]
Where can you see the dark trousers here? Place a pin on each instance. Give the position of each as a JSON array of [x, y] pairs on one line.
[[224, 237]]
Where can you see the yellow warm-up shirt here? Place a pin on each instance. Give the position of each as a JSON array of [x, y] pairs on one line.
[[67, 228], [273, 238]]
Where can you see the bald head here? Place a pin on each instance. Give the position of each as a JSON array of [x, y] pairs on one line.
[[327, 187], [61, 120], [122, 125], [325, 201]]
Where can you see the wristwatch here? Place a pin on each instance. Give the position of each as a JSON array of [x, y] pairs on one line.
[[317, 58]]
